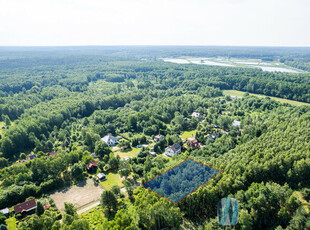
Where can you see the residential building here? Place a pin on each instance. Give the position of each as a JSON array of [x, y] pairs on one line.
[[5, 212], [51, 154], [172, 150], [110, 140], [101, 177], [25, 207], [31, 156], [91, 166], [159, 137], [193, 143], [236, 123]]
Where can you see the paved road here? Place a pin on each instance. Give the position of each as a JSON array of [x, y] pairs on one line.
[[79, 212]]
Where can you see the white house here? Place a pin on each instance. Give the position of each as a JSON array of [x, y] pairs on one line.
[[101, 177], [236, 123], [172, 150], [234, 97], [196, 114], [110, 140], [158, 137]]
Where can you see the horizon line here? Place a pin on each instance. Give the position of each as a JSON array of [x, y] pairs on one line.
[[150, 45]]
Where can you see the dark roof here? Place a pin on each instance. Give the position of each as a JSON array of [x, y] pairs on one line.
[[32, 156], [175, 147], [25, 206]]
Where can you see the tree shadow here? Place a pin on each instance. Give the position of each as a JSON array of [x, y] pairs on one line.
[[81, 183]]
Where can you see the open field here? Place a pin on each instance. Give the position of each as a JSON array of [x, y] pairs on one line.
[[113, 178], [128, 152], [81, 194], [188, 134], [240, 94]]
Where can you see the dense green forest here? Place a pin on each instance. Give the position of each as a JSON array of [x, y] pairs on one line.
[[65, 100]]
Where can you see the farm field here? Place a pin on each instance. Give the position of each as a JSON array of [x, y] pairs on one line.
[[81, 194], [240, 94], [113, 178]]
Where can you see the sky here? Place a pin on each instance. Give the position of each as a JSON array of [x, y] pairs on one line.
[[155, 22]]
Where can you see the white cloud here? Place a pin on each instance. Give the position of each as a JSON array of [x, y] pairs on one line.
[[154, 22]]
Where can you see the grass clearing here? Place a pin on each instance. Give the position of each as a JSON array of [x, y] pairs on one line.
[[188, 134], [113, 178], [240, 94], [128, 152], [11, 223]]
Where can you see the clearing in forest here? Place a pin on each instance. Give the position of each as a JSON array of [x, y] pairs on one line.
[[80, 194], [240, 94], [183, 179]]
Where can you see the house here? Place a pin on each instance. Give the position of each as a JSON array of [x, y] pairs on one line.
[[94, 155], [193, 143], [172, 150], [31, 156], [5, 212], [25, 207], [51, 154], [158, 137], [234, 97], [110, 140], [196, 114], [236, 123], [153, 153], [91, 166], [101, 177]]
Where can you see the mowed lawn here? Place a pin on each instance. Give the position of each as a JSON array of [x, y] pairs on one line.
[[240, 94], [188, 134], [127, 152], [80, 194], [113, 178]]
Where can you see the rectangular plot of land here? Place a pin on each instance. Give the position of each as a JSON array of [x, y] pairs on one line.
[[80, 194], [181, 180]]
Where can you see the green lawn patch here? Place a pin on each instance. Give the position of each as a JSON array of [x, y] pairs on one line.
[[188, 134], [113, 178], [128, 152], [11, 223], [240, 94]]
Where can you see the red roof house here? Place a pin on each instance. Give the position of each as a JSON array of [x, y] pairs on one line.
[[25, 207], [51, 154], [91, 166]]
